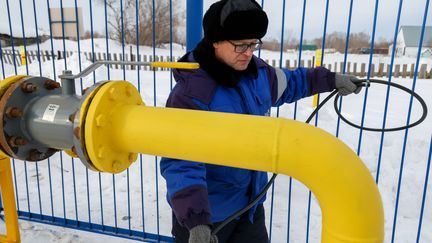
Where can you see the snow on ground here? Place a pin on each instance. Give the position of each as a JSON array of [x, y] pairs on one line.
[[87, 203]]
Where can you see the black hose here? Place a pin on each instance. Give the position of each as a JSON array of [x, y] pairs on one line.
[[362, 82]]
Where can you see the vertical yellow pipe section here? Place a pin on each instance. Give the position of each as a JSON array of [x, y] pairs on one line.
[[8, 197], [349, 198], [6, 184]]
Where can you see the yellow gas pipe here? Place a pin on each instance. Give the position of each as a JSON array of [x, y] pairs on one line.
[[117, 126], [6, 184], [8, 197]]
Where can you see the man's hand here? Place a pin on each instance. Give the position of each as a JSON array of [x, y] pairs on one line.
[[347, 84], [202, 234]]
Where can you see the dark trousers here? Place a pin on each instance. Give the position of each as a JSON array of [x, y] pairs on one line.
[[237, 231]]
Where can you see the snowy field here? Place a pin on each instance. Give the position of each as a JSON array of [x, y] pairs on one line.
[[154, 88]]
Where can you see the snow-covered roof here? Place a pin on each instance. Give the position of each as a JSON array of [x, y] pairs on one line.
[[411, 35]]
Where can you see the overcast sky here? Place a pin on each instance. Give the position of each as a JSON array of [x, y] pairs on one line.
[[362, 18]]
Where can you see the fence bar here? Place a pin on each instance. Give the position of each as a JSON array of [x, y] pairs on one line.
[[390, 72], [408, 120], [94, 228], [424, 192], [194, 9], [11, 39], [15, 69], [63, 36], [2, 64], [345, 61], [106, 37], [124, 78], [24, 36], [154, 103], [65, 68], [137, 34], [368, 76], [277, 115], [62, 186], [171, 41]]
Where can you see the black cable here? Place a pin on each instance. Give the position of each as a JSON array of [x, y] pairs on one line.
[[377, 81], [362, 82]]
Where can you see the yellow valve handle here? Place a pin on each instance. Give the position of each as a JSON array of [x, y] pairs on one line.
[[180, 65]]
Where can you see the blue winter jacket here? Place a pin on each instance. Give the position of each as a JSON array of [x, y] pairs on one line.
[[203, 193]]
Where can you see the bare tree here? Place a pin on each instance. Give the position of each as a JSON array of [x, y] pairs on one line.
[[290, 42], [272, 45], [147, 14], [335, 40], [358, 41]]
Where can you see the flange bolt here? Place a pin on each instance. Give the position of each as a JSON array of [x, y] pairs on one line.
[[28, 87], [17, 141], [13, 112], [34, 155], [50, 84]]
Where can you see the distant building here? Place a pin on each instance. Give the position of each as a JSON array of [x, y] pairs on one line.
[[307, 47], [408, 38], [64, 22], [427, 53]]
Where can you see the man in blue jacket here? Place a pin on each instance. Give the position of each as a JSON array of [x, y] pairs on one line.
[[231, 79]]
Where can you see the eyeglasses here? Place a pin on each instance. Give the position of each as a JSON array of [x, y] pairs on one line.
[[242, 48]]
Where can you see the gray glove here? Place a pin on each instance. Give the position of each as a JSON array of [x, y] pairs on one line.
[[202, 234], [347, 84]]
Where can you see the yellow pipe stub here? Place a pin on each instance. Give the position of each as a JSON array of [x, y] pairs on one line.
[[180, 65], [99, 133], [4, 84]]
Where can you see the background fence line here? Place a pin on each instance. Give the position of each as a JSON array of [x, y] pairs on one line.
[[359, 69]]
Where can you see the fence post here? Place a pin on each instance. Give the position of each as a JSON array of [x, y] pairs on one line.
[[422, 72], [380, 70], [404, 70], [412, 70], [396, 72], [145, 60], [363, 70], [132, 58]]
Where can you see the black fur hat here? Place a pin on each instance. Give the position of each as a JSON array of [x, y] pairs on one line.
[[234, 20]]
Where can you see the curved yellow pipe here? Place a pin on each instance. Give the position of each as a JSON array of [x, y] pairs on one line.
[[349, 198], [350, 202]]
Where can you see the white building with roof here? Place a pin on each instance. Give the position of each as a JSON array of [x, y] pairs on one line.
[[408, 39]]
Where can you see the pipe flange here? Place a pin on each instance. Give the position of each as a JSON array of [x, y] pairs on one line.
[[78, 137], [14, 103], [102, 151], [4, 85]]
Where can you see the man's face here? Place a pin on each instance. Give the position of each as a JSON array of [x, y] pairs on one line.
[[236, 53]]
